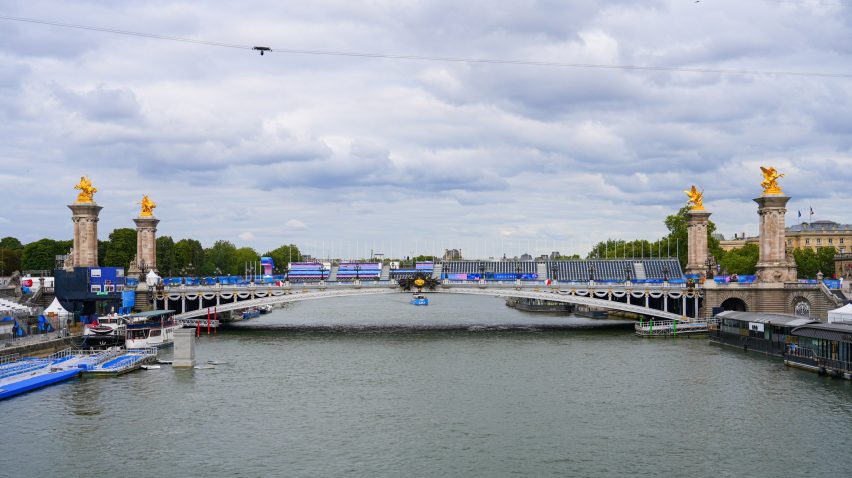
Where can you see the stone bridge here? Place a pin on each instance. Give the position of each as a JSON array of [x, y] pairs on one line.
[[663, 302]]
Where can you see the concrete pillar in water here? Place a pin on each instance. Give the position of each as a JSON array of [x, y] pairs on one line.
[[184, 348]]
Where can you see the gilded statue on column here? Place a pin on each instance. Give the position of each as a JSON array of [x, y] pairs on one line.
[[147, 207], [87, 191], [770, 180], [696, 199]]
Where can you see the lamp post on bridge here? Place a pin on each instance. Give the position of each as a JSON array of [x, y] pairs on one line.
[[627, 275], [710, 263], [554, 269], [481, 273], [357, 273], [518, 276], [322, 274], [665, 275], [591, 274]]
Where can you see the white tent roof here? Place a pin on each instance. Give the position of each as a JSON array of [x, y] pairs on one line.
[[842, 314], [56, 308]]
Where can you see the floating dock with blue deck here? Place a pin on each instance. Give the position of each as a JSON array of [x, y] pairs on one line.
[[20, 375]]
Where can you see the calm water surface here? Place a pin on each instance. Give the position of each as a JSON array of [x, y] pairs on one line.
[[338, 387]]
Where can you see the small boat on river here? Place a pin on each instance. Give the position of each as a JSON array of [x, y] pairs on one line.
[[419, 299]]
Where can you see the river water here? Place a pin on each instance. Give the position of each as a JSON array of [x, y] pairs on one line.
[[372, 386]]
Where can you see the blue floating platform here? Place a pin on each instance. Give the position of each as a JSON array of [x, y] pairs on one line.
[[38, 381]]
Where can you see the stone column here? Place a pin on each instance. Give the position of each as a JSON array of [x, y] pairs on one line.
[[85, 219], [697, 242], [146, 242], [773, 265]]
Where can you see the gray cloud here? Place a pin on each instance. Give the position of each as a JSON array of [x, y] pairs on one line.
[[331, 150]]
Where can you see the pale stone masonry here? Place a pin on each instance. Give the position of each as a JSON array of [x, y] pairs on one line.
[[774, 265], [146, 242], [85, 219], [697, 249]]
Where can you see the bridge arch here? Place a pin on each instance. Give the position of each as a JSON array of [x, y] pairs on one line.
[[734, 303]]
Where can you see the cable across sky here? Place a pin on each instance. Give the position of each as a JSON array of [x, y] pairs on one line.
[[445, 59]]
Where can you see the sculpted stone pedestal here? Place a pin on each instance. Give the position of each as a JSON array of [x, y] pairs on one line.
[[773, 265], [146, 243], [85, 219], [697, 241]]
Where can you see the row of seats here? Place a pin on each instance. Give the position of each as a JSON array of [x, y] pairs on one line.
[[10, 307], [359, 270], [489, 267], [615, 270]]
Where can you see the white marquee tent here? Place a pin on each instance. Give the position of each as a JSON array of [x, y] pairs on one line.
[[843, 314]]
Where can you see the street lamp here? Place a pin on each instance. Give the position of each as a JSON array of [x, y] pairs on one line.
[[665, 273], [482, 272], [322, 273], [357, 272], [518, 273], [554, 269], [710, 263], [591, 273], [627, 273]]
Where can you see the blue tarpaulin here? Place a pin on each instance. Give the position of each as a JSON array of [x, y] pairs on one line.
[[128, 298]]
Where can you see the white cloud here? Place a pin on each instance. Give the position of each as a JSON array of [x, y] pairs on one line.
[[445, 154]]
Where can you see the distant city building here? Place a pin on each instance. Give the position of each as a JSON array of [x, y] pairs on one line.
[[526, 257], [452, 255], [804, 236], [554, 255], [307, 258]]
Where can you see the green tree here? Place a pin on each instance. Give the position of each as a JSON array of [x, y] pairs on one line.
[[741, 260], [166, 255], [221, 257], [41, 254], [10, 242], [189, 256], [810, 262], [10, 260], [120, 248], [242, 256], [283, 255]]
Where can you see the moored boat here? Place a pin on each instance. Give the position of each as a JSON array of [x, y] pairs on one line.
[[154, 328], [419, 299]]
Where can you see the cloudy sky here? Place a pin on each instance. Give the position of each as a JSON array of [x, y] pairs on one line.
[[407, 156]]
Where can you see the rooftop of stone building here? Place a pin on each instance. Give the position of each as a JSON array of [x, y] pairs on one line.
[[820, 226]]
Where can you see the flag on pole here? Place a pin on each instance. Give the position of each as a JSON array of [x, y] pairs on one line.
[[812, 210], [800, 213]]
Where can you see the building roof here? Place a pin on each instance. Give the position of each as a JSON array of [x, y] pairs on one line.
[[840, 331], [820, 226], [767, 318]]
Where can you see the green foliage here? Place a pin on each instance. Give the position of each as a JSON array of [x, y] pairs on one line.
[[221, 259], [166, 259], [120, 248], [672, 245], [189, 255], [741, 261], [284, 255], [9, 242], [41, 254], [10, 260], [242, 256], [810, 262]]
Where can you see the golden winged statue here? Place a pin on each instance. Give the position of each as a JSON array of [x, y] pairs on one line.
[[87, 191], [696, 199], [147, 207], [770, 180]]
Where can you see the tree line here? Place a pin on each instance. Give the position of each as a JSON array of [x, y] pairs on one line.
[[184, 257]]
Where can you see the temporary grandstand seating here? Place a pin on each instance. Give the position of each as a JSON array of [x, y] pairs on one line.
[[615, 270], [424, 268], [494, 270], [349, 271], [8, 307], [307, 272]]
